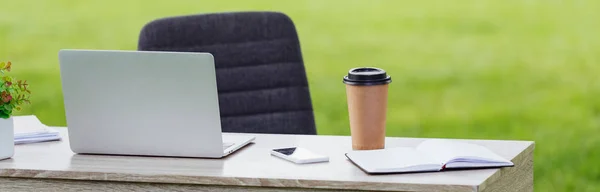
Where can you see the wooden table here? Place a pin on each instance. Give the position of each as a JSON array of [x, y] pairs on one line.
[[51, 166]]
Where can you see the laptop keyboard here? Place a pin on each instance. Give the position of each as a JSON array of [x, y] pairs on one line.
[[227, 145]]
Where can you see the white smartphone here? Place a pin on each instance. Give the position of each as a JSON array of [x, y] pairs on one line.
[[299, 155]]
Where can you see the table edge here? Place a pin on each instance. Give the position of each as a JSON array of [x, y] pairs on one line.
[[226, 181], [246, 181], [496, 176]]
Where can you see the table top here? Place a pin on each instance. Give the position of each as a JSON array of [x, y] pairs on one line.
[[250, 166]]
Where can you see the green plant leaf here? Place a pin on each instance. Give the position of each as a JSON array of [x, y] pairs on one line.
[[14, 88], [4, 115], [7, 78]]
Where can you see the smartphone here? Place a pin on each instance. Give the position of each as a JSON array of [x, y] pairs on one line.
[[299, 155]]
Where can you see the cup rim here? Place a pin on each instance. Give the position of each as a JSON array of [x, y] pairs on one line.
[[348, 81]]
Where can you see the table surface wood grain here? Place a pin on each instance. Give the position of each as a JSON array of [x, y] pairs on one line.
[[253, 166]]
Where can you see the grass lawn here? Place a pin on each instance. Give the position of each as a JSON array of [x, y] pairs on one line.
[[513, 69]]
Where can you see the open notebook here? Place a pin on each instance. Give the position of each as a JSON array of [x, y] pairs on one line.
[[431, 155]]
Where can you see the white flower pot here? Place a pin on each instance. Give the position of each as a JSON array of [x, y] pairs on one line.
[[7, 138]]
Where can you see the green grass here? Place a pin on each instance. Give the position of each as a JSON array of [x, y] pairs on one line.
[[513, 69]]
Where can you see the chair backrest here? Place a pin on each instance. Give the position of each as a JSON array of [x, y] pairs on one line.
[[261, 77]]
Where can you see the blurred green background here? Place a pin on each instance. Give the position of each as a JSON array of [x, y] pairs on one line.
[[511, 70]]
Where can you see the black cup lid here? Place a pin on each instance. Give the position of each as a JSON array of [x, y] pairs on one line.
[[367, 76]]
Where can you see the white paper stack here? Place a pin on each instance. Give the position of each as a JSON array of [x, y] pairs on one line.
[[29, 129]]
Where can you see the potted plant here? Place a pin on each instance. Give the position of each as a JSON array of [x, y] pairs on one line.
[[13, 94]]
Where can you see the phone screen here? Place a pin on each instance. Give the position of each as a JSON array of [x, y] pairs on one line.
[[286, 151]]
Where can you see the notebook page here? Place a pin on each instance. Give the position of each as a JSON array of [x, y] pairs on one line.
[[29, 129], [28, 125], [457, 151], [397, 159], [43, 138], [453, 165]]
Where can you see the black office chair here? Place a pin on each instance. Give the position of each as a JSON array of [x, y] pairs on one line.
[[261, 77]]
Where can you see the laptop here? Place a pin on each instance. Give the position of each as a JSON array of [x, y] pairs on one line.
[[144, 103]]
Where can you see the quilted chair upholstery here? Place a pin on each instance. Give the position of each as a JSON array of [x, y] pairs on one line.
[[261, 77]]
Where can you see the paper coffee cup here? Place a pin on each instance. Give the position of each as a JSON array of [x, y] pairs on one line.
[[367, 93]]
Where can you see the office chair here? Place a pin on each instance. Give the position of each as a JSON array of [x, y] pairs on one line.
[[261, 79]]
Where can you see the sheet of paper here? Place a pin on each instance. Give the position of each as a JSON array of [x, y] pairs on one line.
[[29, 129], [37, 139], [449, 150], [28, 124], [393, 159]]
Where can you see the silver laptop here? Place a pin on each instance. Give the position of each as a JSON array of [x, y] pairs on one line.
[[144, 103]]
